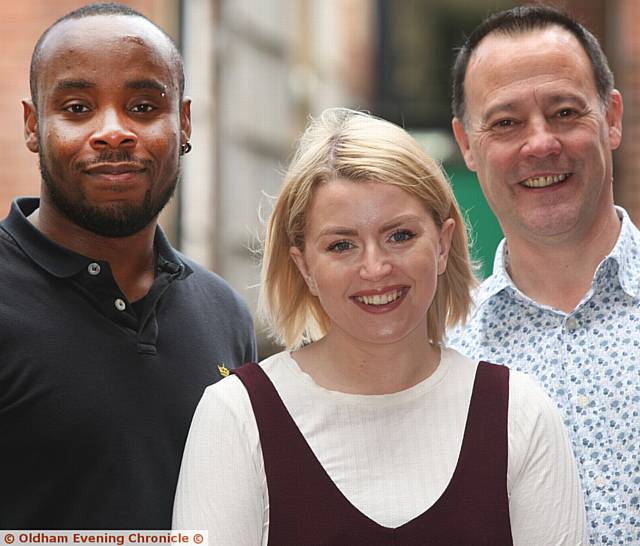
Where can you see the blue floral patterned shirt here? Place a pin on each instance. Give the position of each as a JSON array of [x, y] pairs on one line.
[[589, 362]]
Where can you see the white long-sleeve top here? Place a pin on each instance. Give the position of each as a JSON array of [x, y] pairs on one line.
[[378, 449]]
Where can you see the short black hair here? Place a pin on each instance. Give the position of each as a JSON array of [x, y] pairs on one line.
[[90, 10], [523, 19]]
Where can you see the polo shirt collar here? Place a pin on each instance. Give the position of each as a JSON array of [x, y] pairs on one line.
[[62, 262], [168, 259], [625, 253]]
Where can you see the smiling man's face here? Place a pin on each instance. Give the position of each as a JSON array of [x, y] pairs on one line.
[[538, 135], [108, 124]]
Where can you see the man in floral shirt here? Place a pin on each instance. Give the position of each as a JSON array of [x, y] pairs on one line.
[[537, 118]]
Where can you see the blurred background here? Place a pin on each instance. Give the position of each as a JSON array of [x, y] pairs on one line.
[[256, 69]]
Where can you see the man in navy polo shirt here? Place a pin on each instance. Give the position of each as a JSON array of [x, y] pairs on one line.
[[108, 335]]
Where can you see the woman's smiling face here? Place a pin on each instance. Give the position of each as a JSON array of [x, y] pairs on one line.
[[372, 256]]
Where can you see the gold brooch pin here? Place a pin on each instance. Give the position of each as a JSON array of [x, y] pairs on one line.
[[224, 371]]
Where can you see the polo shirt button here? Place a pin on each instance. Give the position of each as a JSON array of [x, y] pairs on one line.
[[94, 269], [600, 482], [583, 401], [120, 304], [572, 324]]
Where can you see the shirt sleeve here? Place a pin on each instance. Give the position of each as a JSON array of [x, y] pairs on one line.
[[545, 499], [222, 488]]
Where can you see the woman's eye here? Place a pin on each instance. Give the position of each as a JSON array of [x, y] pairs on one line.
[[402, 236], [340, 246]]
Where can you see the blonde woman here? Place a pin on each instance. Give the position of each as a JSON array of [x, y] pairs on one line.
[[368, 430]]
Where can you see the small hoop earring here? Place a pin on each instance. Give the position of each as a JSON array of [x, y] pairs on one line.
[[185, 148]]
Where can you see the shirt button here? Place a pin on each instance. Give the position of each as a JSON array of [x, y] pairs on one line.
[[120, 305], [572, 324], [600, 482], [94, 269], [583, 401]]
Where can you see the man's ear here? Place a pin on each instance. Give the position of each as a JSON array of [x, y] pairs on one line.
[[30, 117], [185, 120], [298, 258], [614, 119], [463, 143]]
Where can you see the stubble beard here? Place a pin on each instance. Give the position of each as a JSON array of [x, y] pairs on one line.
[[113, 221]]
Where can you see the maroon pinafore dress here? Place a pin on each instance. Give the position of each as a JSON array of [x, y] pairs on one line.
[[307, 509]]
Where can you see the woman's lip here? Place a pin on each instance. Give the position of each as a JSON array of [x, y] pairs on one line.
[[378, 291], [381, 308]]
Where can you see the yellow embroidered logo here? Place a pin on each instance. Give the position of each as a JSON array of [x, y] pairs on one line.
[[224, 371]]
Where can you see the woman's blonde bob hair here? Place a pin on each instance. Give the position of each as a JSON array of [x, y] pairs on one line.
[[350, 145]]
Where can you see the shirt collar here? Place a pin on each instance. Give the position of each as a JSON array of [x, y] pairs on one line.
[[62, 262], [499, 279], [626, 253]]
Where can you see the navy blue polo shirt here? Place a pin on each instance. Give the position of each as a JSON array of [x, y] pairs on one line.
[[97, 394]]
